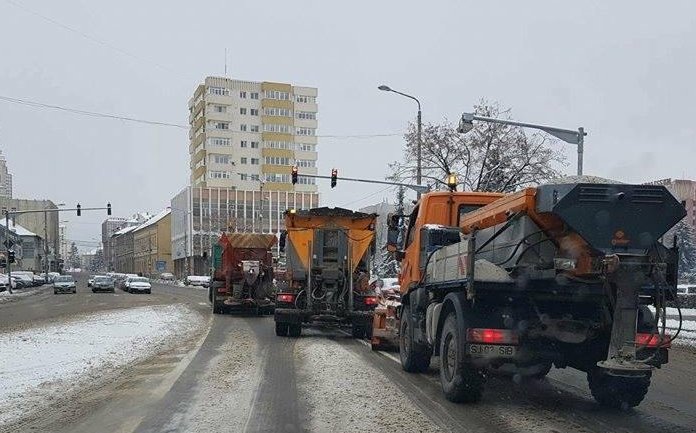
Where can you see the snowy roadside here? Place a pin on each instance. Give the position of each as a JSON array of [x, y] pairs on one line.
[[344, 393], [21, 293], [45, 365]]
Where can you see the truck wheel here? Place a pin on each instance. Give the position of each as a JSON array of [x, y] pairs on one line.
[[281, 329], [415, 358], [544, 370], [217, 308], [294, 330], [615, 391], [460, 381], [358, 331]]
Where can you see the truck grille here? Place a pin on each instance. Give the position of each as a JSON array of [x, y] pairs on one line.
[[594, 194]]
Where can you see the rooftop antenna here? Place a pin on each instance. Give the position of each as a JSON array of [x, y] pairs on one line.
[[225, 62]]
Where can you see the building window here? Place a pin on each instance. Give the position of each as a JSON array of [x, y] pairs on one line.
[[243, 143], [306, 147], [222, 125], [304, 99], [218, 141], [274, 127], [276, 177], [273, 111], [254, 128], [303, 180], [254, 112], [306, 163], [254, 144], [221, 159], [305, 131], [242, 95], [277, 160], [244, 176], [289, 145], [243, 128], [275, 94], [243, 160], [219, 174], [218, 91], [255, 177], [220, 108], [242, 110], [254, 161], [254, 95], [306, 115]]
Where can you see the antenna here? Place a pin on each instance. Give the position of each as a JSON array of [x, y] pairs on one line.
[[225, 62]]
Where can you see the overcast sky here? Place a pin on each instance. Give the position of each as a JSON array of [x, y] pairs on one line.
[[623, 70]]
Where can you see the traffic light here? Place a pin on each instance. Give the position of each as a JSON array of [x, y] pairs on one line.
[[11, 256], [79, 209], [108, 208], [334, 177], [294, 174]]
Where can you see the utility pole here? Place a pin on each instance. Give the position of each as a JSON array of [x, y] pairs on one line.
[[7, 254], [46, 247]]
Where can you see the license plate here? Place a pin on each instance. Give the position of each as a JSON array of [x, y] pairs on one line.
[[491, 350]]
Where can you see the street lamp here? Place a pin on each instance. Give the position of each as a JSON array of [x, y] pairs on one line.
[[466, 124], [386, 88]]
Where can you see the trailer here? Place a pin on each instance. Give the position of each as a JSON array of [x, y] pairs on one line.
[[558, 275], [242, 273], [328, 262]]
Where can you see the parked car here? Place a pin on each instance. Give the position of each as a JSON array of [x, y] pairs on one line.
[[167, 276], [63, 284], [52, 276], [90, 280], [102, 283], [39, 280], [4, 283], [197, 280], [23, 280], [138, 284]]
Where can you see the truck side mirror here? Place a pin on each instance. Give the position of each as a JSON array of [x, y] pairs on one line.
[[399, 255], [394, 226], [281, 241]]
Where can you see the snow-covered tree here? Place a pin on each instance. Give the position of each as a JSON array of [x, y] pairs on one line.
[[73, 259], [98, 261], [491, 157], [686, 241]]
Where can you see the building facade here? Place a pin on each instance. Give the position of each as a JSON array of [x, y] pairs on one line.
[[44, 224], [244, 133], [685, 191], [152, 245], [28, 248], [109, 227], [5, 179], [201, 214], [122, 250]]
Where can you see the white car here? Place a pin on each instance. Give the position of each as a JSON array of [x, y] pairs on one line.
[[63, 284], [197, 280], [138, 284], [4, 283]]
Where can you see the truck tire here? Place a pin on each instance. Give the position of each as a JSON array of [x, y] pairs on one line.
[[218, 308], [541, 374], [415, 358], [617, 392], [460, 381], [358, 330], [294, 330], [281, 329]]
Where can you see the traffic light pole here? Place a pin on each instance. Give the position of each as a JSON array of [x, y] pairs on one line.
[[417, 188], [7, 253]]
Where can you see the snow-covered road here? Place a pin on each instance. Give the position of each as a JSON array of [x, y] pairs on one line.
[[43, 365]]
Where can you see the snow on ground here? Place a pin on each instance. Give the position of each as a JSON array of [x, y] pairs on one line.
[[42, 365], [344, 393], [20, 293], [671, 311]]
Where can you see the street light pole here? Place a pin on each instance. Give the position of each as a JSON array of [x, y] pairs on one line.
[[568, 135], [419, 126]]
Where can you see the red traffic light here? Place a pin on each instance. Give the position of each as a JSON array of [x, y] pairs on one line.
[[294, 174], [334, 177]]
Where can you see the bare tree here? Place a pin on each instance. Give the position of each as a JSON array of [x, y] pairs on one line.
[[492, 157]]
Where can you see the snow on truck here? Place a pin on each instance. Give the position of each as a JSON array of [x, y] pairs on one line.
[[242, 273], [562, 274], [328, 260]]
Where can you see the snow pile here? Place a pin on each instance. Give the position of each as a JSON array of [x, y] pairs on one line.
[[43, 364], [581, 179], [6, 296], [487, 271]]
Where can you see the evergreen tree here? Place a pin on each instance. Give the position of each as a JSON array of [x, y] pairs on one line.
[[73, 260]]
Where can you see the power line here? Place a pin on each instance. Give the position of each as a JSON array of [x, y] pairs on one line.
[[367, 196], [35, 104], [91, 38]]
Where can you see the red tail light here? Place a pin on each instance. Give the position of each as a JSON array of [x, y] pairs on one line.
[[285, 297], [221, 289], [491, 336], [370, 300], [653, 340]]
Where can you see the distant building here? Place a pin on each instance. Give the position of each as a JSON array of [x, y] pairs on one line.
[[28, 248], [5, 179], [152, 245], [38, 222], [122, 250], [200, 214], [246, 132], [113, 224]]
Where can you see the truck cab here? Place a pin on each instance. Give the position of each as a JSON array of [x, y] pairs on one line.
[[436, 208]]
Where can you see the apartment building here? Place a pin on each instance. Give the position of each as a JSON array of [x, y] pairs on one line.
[[244, 133], [5, 179], [43, 224]]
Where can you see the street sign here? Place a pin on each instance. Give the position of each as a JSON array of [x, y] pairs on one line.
[[8, 243], [161, 265]]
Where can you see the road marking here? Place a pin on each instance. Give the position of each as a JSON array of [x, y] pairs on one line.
[[205, 304], [367, 344]]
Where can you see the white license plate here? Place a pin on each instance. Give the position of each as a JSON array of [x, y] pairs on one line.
[[491, 350]]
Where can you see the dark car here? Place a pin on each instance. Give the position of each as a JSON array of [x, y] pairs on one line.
[[103, 284]]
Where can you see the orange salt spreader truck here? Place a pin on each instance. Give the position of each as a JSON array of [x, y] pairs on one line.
[[562, 274]]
